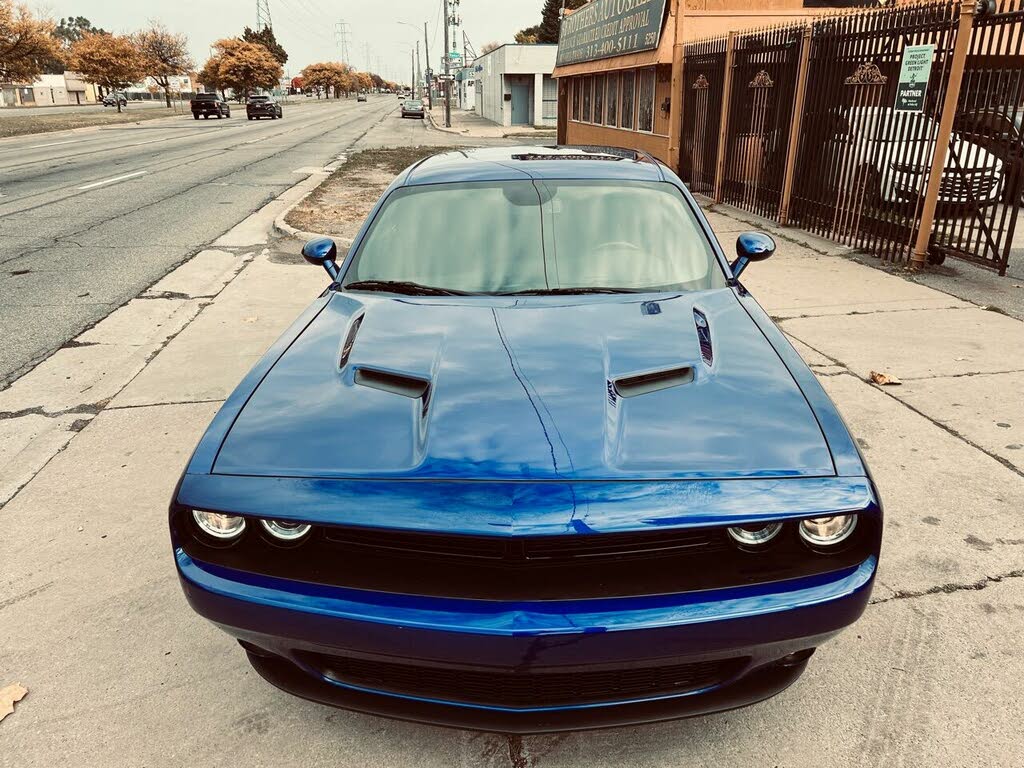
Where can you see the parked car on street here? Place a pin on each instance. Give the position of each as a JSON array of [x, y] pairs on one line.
[[206, 104], [568, 474], [999, 131], [115, 99], [257, 107], [884, 156], [412, 108]]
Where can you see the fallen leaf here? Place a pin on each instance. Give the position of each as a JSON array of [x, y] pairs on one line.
[[8, 695], [250, 319], [884, 379]]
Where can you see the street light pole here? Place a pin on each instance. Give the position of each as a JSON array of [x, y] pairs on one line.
[[418, 83], [412, 77], [430, 83], [447, 83]]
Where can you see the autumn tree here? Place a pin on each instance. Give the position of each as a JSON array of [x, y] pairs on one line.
[[26, 43], [67, 32], [210, 77], [528, 36], [363, 81], [488, 47], [244, 67], [266, 38], [164, 54], [109, 61]]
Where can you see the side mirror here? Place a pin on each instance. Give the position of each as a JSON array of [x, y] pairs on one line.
[[751, 246], [324, 253]]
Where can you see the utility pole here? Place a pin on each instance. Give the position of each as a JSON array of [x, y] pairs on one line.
[[262, 15], [447, 83], [341, 33], [412, 77], [429, 79], [417, 83]]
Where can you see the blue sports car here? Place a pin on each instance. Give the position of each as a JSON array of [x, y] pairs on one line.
[[534, 461]]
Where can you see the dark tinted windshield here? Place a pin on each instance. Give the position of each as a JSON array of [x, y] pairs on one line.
[[259, 98], [524, 236], [203, 96]]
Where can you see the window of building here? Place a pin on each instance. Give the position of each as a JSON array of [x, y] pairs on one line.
[[612, 109], [628, 98], [550, 98], [577, 97], [588, 89], [599, 99], [645, 102]]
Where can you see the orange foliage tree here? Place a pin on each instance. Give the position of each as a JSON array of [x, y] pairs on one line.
[[26, 43], [164, 54], [110, 61], [244, 67]]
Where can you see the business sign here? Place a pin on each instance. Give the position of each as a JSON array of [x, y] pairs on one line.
[[605, 28], [915, 72]]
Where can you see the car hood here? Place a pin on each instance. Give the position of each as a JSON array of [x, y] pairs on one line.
[[528, 389]]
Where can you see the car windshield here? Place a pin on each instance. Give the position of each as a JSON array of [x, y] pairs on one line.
[[413, 103], [259, 98], [536, 237]]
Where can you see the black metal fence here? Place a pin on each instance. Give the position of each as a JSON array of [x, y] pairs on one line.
[[983, 180], [764, 80], [860, 167], [703, 88]]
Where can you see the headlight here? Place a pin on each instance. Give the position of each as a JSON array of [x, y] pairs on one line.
[[755, 535], [219, 526], [285, 530], [827, 531]]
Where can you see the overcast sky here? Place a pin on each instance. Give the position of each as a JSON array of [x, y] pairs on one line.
[[306, 28]]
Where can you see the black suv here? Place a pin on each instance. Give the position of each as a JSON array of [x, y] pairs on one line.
[[263, 106]]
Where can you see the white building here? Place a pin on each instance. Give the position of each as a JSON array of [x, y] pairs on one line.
[[514, 85], [465, 87]]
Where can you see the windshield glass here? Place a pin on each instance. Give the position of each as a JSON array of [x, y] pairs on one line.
[[537, 237], [411, 103]]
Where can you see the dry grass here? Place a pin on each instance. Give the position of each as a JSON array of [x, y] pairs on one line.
[[34, 122], [340, 205]]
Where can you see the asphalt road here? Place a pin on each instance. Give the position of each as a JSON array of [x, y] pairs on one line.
[[90, 219]]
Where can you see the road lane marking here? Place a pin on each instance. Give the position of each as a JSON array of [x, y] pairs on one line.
[[54, 144], [111, 181]]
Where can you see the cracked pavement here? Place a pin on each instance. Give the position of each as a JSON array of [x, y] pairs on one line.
[[121, 672]]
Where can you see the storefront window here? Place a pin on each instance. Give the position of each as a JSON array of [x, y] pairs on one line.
[[599, 99], [577, 94], [588, 86], [628, 97], [612, 110], [645, 107]]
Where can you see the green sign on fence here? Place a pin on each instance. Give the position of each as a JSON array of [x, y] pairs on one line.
[[915, 72]]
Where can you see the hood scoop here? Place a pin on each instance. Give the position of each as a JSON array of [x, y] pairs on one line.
[[396, 383], [653, 381], [707, 351]]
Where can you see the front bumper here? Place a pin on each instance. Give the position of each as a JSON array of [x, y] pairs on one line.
[[284, 625]]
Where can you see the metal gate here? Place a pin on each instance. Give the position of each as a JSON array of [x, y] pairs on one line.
[[983, 180], [703, 87], [862, 167], [764, 80]]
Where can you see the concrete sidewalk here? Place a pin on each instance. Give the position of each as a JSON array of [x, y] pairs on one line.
[[121, 672], [473, 126]]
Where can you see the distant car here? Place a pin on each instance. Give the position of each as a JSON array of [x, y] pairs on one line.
[[115, 99], [206, 104], [412, 108], [999, 131], [568, 474], [884, 156], [361, 97], [263, 106]]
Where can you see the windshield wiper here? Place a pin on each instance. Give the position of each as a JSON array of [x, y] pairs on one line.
[[577, 291], [403, 287]]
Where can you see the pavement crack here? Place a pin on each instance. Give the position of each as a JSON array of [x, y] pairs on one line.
[[517, 756], [37, 410], [951, 588]]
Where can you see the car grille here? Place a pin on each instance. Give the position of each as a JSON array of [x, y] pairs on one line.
[[527, 688], [510, 551], [964, 186]]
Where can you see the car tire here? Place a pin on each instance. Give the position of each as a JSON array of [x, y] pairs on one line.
[[250, 117], [195, 116]]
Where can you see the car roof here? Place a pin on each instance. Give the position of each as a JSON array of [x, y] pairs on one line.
[[535, 161]]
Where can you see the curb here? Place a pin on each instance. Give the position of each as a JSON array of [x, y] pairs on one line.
[[436, 127]]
